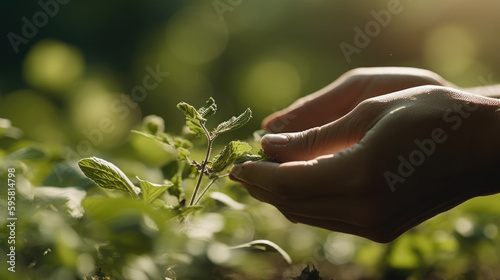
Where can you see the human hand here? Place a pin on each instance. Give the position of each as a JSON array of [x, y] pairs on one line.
[[389, 164], [341, 96]]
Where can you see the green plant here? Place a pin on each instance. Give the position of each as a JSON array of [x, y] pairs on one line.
[[108, 176]]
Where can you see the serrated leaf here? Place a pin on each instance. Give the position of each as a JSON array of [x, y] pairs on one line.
[[247, 157], [151, 191], [260, 156], [190, 112], [209, 109], [265, 245], [194, 119], [233, 123], [229, 154], [107, 175], [195, 127]]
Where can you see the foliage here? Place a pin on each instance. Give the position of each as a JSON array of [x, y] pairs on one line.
[[131, 223], [78, 94], [108, 176]]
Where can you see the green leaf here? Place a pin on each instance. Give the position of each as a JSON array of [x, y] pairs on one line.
[[195, 127], [107, 175], [265, 245], [151, 191], [176, 188], [180, 144], [248, 157], [162, 138], [227, 200], [190, 112], [194, 120], [229, 154], [182, 153], [209, 109], [261, 156], [153, 124], [184, 211], [233, 123], [6, 129], [27, 153]]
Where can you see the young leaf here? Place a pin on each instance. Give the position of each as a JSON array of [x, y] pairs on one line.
[[248, 157], [209, 109], [233, 123], [261, 156], [176, 189], [153, 124], [27, 153], [229, 154], [180, 144], [195, 127], [194, 119], [265, 245], [107, 175], [190, 112], [151, 191], [182, 153], [162, 138]]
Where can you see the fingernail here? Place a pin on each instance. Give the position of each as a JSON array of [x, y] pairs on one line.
[[235, 171], [276, 139]]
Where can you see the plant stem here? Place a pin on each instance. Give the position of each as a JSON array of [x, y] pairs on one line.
[[208, 187], [203, 164], [205, 190]]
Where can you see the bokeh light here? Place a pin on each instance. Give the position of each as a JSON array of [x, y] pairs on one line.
[[270, 84], [53, 66], [196, 36]]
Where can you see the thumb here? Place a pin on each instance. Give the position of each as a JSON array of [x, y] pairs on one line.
[[327, 139], [308, 144]]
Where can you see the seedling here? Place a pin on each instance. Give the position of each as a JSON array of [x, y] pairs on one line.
[[108, 176]]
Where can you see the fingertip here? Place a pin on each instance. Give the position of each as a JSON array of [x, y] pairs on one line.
[[268, 123], [235, 172]]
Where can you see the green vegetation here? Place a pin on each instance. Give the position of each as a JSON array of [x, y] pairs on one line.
[[99, 69]]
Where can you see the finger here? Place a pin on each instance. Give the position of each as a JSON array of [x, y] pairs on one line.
[[313, 110], [339, 135], [334, 174], [316, 216], [338, 98]]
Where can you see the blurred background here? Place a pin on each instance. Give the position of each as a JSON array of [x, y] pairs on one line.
[[76, 76], [67, 67]]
